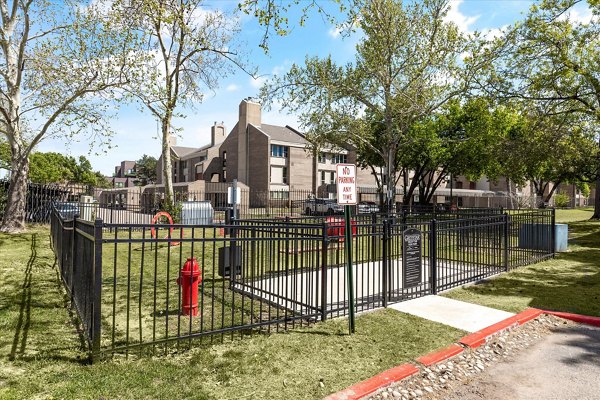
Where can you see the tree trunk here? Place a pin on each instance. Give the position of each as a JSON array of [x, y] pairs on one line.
[[597, 195], [551, 192], [13, 220], [510, 193], [597, 200], [167, 164], [391, 180]]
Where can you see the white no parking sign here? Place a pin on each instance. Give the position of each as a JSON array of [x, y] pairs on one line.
[[346, 184]]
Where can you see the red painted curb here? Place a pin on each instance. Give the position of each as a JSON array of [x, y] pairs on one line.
[[584, 319], [478, 338], [440, 355], [379, 381], [528, 315]]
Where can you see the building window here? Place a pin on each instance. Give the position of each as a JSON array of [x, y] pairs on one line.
[[279, 175], [280, 195], [332, 177], [279, 151], [224, 157], [322, 158], [322, 177], [339, 158]]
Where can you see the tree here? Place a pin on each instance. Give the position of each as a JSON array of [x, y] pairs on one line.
[[188, 49], [273, 15], [57, 168], [457, 140], [56, 58], [145, 170], [552, 150], [406, 67], [551, 60]]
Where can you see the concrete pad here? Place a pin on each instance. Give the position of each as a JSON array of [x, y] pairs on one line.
[[458, 314]]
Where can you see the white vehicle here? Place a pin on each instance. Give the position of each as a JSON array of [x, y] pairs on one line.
[[322, 207]]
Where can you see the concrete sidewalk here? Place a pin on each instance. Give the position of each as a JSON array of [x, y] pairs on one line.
[[458, 314]]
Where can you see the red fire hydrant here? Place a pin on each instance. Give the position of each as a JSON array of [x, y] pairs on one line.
[[189, 278]]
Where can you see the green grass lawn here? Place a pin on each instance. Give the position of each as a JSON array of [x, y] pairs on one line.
[[570, 282], [41, 352]]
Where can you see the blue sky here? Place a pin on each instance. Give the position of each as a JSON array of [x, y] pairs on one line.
[[136, 129]]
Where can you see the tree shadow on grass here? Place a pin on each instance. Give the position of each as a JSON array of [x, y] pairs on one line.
[[36, 322], [24, 319]]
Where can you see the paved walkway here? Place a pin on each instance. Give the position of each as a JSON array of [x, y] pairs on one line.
[[564, 365], [458, 314]]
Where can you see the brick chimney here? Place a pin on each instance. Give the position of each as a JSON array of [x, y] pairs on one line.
[[249, 113], [217, 134]]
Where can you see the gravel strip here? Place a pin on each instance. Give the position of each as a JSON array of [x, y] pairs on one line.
[[437, 381]]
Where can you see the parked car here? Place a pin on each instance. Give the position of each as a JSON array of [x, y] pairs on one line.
[[367, 207], [67, 210], [322, 207]]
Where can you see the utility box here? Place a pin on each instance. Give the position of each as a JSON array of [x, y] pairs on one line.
[[225, 256], [197, 213], [87, 208], [539, 237], [561, 236]]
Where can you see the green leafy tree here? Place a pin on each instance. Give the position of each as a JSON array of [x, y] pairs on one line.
[[57, 168], [406, 67], [4, 155], [458, 140], [552, 60], [145, 170], [55, 58]]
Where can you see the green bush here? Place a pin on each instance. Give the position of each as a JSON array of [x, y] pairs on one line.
[[584, 188], [174, 210], [561, 200]]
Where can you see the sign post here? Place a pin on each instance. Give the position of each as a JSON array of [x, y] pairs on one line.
[[346, 195]]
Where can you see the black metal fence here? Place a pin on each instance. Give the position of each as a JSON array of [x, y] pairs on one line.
[[131, 286], [137, 205]]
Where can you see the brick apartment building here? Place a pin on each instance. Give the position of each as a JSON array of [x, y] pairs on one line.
[[124, 175], [271, 160]]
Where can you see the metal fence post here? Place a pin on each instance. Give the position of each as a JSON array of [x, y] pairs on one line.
[[433, 256], [97, 289], [72, 265], [384, 262], [505, 240], [553, 233], [324, 245]]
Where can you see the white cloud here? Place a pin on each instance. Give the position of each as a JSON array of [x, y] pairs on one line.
[[334, 32], [462, 21], [493, 33], [581, 15], [258, 81], [232, 88]]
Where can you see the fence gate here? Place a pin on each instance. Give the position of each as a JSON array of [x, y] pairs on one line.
[[407, 260]]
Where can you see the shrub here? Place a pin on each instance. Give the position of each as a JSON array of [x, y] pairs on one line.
[[561, 200]]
